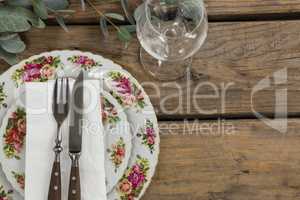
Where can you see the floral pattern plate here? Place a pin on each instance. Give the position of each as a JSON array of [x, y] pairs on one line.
[[141, 116], [6, 190], [125, 92], [12, 145], [117, 138]]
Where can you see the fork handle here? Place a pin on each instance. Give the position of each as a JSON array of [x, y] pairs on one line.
[[74, 185], [55, 182]]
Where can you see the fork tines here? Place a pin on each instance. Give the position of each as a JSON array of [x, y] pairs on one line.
[[61, 96]]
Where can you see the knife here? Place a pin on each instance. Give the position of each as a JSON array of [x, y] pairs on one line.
[[75, 137]]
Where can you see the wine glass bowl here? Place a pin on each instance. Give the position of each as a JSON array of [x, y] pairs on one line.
[[170, 31]]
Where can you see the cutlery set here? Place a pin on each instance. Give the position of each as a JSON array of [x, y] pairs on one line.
[[61, 109]]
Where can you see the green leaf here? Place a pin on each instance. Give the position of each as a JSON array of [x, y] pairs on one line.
[[40, 8], [130, 28], [103, 27], [125, 6], [15, 19], [170, 1], [31, 17], [10, 58], [60, 20], [61, 13], [53, 4], [124, 35], [115, 16], [64, 12], [23, 3], [191, 10], [13, 44], [7, 36], [11, 21], [57, 4]]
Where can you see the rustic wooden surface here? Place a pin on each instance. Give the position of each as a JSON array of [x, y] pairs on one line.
[[242, 53], [254, 163], [217, 10]]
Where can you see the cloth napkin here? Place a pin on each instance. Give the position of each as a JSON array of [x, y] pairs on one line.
[[41, 133]]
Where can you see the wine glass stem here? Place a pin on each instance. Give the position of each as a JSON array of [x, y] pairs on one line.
[[164, 70]]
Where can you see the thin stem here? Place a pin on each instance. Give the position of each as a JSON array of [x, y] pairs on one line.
[[101, 14], [62, 13]]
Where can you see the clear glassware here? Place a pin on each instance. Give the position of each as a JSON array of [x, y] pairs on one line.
[[170, 32]]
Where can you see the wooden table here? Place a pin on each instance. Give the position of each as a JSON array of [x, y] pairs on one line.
[[248, 41]]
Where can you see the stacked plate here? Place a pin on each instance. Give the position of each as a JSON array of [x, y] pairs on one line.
[[130, 124]]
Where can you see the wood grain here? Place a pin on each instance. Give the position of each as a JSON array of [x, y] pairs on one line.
[[253, 162], [247, 161], [217, 10], [236, 55]]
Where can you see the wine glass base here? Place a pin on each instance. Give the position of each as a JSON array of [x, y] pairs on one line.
[[164, 70]]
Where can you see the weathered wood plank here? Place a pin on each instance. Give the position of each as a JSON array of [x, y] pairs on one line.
[[217, 10], [236, 57], [254, 163]]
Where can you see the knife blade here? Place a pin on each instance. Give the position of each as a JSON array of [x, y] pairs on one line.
[[75, 130], [75, 137]]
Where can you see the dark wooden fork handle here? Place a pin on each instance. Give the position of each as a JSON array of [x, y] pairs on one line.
[[74, 186], [55, 183]]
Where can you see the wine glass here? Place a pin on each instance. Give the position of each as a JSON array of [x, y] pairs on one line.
[[170, 32]]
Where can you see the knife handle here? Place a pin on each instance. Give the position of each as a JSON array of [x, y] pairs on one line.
[[74, 185], [54, 192]]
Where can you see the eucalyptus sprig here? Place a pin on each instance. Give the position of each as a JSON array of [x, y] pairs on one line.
[[123, 32], [189, 9], [18, 16]]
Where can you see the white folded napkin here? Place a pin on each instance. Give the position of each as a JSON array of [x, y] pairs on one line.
[[41, 133]]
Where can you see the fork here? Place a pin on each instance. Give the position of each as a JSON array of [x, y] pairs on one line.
[[60, 109]]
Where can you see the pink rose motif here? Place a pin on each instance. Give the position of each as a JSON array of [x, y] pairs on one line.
[[136, 169], [81, 60], [40, 69], [18, 147], [21, 125], [151, 140], [15, 139], [47, 72], [128, 99], [49, 60], [136, 179], [121, 152], [150, 131], [125, 187], [124, 86], [12, 136], [31, 74], [89, 62], [26, 77], [32, 66]]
